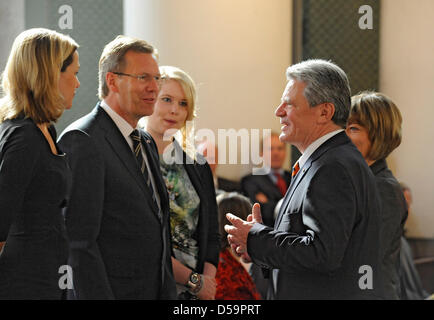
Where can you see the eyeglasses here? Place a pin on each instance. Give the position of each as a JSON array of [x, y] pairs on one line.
[[145, 78]]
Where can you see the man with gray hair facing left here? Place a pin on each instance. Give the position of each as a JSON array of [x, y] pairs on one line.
[[324, 244]]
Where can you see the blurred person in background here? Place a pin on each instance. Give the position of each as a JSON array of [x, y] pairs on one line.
[[411, 284], [270, 187], [210, 151], [233, 279]]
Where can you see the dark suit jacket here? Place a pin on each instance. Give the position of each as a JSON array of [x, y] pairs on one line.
[[207, 232], [251, 185], [393, 216], [228, 185], [119, 246], [326, 236]]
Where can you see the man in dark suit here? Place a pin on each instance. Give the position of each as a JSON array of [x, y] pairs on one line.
[[117, 216], [324, 244], [270, 186]]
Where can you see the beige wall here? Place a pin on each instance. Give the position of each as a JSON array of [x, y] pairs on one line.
[[236, 51], [407, 76]]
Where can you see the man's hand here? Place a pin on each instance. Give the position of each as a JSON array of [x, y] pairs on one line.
[[239, 231]]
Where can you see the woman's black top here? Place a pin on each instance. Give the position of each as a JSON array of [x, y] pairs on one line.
[[34, 186]]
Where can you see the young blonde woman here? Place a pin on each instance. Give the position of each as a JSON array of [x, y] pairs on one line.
[[189, 181], [39, 83]]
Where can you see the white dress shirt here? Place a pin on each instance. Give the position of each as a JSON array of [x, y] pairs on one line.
[[315, 145]]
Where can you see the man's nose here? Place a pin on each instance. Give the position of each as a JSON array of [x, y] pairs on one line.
[[153, 85], [280, 112]]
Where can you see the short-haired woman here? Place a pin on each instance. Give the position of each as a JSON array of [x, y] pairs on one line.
[[374, 126], [39, 83]]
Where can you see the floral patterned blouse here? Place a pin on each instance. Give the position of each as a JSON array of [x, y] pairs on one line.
[[233, 281], [184, 212]]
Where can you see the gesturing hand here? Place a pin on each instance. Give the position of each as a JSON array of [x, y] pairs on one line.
[[238, 232]]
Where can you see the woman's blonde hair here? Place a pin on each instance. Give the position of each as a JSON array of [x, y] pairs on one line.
[[30, 81], [382, 119], [188, 86]]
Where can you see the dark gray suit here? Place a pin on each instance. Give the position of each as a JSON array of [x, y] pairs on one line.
[[327, 229], [120, 248]]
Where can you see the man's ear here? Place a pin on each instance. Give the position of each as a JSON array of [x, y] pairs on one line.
[[110, 80], [327, 111]]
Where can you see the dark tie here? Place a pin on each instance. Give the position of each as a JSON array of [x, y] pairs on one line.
[[295, 169], [281, 184], [137, 147]]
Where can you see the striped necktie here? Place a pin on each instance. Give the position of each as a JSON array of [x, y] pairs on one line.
[[137, 147]]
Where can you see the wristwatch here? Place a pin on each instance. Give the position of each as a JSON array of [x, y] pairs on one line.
[[194, 283]]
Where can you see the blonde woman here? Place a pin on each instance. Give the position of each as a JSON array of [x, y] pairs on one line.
[[39, 83], [189, 181]]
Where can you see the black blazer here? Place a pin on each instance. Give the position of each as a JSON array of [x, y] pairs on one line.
[[119, 246], [251, 185], [327, 230], [207, 232], [33, 190], [227, 185], [393, 216]]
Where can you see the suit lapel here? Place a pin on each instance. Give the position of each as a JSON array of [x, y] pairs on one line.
[[121, 148], [287, 177], [334, 141], [291, 189]]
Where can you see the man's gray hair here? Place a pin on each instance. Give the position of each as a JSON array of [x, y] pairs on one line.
[[325, 82]]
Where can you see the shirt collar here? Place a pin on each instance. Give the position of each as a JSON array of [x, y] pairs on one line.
[[124, 127], [280, 171], [315, 145]]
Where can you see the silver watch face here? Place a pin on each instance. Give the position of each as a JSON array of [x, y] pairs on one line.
[[194, 278]]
